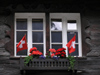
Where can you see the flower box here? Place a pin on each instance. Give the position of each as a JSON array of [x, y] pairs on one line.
[[46, 64]]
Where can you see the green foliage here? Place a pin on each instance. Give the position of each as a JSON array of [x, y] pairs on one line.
[[48, 54], [27, 59], [71, 62]]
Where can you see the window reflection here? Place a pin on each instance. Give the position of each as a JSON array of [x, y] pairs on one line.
[[72, 25], [56, 24]]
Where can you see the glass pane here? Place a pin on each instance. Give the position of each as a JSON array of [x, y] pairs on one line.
[[37, 37], [56, 37], [39, 47], [22, 52], [37, 24], [20, 35], [75, 53], [70, 35], [56, 24], [21, 24], [72, 25], [56, 46]]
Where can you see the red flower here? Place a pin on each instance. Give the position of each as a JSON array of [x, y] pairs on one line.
[[52, 50], [34, 53], [37, 53], [30, 54], [33, 49], [63, 52], [52, 55], [57, 53], [61, 49], [62, 55]]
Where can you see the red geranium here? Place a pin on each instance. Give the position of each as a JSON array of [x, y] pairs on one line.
[[33, 49], [61, 49], [57, 53], [52, 50], [61, 52], [52, 55], [36, 53], [30, 54], [62, 55]]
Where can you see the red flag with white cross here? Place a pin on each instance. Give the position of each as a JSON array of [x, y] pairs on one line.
[[22, 45], [71, 45]]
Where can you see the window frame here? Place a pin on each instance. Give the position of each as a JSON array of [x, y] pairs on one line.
[[29, 17], [65, 17]]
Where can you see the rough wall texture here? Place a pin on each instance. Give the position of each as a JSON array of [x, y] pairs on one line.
[[91, 31], [90, 20]]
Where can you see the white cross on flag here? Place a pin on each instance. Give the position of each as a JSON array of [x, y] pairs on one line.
[[71, 45], [22, 45]]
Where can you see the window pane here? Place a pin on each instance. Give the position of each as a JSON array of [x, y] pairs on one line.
[[21, 24], [37, 37], [39, 47], [75, 53], [57, 46], [70, 35], [56, 37], [22, 52], [72, 25], [56, 24], [20, 35], [37, 24]]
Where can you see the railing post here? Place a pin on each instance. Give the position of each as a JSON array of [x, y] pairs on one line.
[[76, 63], [21, 63]]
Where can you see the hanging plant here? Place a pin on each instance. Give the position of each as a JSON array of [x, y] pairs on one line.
[[71, 62], [27, 59]]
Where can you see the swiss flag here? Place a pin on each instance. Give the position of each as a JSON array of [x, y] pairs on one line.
[[22, 45], [71, 45]]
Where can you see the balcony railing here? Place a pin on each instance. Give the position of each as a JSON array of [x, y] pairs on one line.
[[47, 64]]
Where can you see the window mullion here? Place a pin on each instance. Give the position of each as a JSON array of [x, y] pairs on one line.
[[29, 33], [64, 34], [79, 36], [44, 34], [15, 39]]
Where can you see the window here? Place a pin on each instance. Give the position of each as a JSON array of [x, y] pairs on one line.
[[33, 25], [63, 26]]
